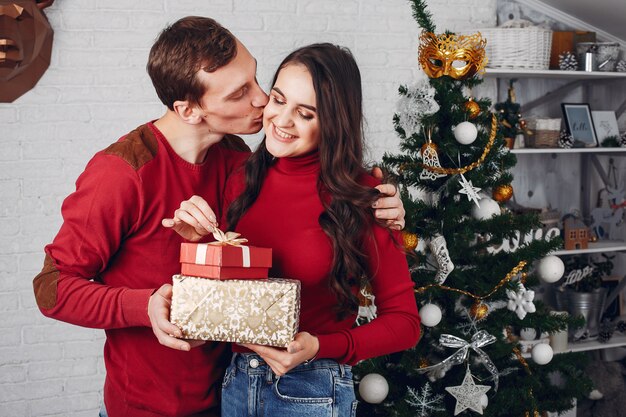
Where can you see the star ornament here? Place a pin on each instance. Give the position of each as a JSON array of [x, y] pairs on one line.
[[468, 395], [469, 190]]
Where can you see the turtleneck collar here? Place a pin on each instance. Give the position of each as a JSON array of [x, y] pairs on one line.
[[299, 165]]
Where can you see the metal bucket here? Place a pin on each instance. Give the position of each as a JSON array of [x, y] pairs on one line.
[[590, 305]]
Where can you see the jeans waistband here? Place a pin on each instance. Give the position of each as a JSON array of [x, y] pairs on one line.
[[253, 364]]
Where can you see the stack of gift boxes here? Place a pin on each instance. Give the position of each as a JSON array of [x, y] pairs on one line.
[[224, 294]]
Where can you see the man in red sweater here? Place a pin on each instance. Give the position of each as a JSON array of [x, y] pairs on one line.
[[111, 263]]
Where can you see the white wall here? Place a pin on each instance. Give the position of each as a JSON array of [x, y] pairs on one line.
[[96, 90]]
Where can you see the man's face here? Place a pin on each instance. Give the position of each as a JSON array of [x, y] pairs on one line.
[[234, 101]]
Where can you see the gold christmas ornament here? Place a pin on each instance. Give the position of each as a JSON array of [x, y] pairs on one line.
[[410, 241], [479, 310], [423, 363], [472, 108], [457, 56], [502, 193]]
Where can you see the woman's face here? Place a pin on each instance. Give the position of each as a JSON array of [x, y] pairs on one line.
[[290, 118]]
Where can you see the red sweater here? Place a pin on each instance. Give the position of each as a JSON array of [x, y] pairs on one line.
[[285, 218], [112, 232]]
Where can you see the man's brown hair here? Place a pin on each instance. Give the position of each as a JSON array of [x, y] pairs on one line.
[[191, 44]]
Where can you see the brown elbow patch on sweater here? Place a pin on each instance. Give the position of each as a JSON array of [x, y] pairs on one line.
[[45, 284], [137, 148]]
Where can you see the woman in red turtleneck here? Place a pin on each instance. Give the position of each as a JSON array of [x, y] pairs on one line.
[[305, 194]]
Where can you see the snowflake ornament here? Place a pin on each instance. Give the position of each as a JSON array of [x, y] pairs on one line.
[[469, 190], [424, 401], [418, 101], [521, 301]]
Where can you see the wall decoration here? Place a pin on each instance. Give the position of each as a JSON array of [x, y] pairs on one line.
[[25, 46], [605, 124], [579, 123]]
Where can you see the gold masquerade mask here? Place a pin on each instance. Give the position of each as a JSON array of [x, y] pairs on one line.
[[459, 57]]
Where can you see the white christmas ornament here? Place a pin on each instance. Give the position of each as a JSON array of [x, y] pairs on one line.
[[486, 209], [424, 401], [430, 315], [550, 269], [439, 248], [484, 401], [431, 159], [528, 333], [468, 395], [521, 301], [465, 133], [373, 388], [542, 353], [469, 190], [417, 102]]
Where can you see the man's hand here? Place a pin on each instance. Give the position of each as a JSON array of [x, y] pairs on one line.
[[159, 313], [193, 220], [304, 347], [389, 207]]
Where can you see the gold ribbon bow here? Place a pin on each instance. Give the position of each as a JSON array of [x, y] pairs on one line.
[[227, 239]]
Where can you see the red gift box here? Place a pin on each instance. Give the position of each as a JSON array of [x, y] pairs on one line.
[[224, 262]]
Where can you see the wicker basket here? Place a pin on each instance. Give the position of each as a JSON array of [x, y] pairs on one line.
[[518, 44], [545, 133]]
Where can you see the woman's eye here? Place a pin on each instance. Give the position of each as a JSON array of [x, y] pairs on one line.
[[306, 116], [277, 100]]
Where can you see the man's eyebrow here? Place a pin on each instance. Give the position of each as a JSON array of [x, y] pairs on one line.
[[312, 108]]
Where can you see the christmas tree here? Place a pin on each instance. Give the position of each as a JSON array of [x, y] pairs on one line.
[[471, 259], [510, 119]]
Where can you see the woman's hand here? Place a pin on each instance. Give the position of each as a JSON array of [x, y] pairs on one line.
[[304, 347], [193, 220], [388, 207]]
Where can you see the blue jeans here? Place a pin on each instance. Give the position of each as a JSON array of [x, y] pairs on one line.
[[322, 388], [103, 411]]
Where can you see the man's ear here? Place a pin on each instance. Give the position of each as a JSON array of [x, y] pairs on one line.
[[188, 113]]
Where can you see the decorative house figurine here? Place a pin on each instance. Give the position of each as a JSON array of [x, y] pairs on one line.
[[575, 234]]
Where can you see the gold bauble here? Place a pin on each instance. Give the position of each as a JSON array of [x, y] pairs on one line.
[[423, 363], [410, 241], [479, 310], [472, 108], [502, 193]]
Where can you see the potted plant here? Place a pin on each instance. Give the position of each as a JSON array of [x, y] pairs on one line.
[[582, 292]]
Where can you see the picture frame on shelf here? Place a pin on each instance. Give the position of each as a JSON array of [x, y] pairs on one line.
[[605, 124], [579, 123]]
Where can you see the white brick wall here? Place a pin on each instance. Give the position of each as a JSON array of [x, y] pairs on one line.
[[95, 90]]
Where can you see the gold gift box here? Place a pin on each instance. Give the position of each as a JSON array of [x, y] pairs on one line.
[[264, 311]]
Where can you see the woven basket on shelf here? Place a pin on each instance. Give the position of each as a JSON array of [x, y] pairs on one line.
[[518, 44], [545, 133]]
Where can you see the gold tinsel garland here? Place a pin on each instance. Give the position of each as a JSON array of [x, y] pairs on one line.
[[504, 280], [453, 171]]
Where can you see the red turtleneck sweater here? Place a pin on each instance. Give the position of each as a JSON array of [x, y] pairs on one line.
[[285, 218]]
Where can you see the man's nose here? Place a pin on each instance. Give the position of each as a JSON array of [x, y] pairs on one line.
[[260, 98]]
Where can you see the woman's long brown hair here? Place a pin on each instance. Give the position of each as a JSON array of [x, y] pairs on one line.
[[348, 215]]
